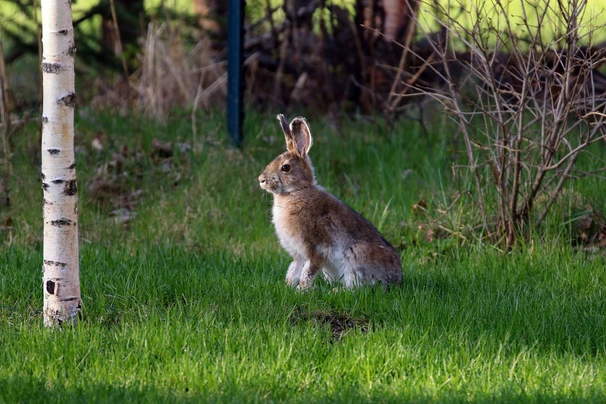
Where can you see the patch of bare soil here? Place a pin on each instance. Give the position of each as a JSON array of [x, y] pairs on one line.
[[339, 323]]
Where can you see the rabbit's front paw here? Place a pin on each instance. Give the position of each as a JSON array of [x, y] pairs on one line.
[[292, 281], [306, 281], [301, 289], [293, 275]]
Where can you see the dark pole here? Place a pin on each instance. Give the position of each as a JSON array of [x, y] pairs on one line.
[[235, 84]]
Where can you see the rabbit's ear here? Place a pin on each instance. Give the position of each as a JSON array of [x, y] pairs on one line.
[[290, 141], [302, 135]]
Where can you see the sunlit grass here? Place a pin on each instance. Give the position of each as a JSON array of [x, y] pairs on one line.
[[178, 325], [187, 302], [521, 16]]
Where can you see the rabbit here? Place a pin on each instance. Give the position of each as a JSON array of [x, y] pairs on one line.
[[320, 232]]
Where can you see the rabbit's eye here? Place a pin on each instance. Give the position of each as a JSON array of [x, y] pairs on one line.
[[285, 168]]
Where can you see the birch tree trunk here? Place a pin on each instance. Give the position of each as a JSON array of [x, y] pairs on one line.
[[61, 277]]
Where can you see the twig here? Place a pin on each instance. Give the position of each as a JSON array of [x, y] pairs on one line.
[[283, 51], [269, 15], [5, 112], [410, 31], [449, 207], [39, 39], [118, 38]]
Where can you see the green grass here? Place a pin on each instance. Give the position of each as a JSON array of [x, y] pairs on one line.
[[171, 324], [187, 302]]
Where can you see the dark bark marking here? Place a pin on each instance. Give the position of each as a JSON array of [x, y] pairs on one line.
[[71, 188], [42, 176], [62, 32], [62, 222], [51, 67], [55, 263], [71, 51], [72, 166], [47, 202], [45, 119], [50, 287], [57, 181], [53, 151], [45, 186], [69, 100], [68, 299]]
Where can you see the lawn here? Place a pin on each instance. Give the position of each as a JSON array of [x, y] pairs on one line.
[[183, 279]]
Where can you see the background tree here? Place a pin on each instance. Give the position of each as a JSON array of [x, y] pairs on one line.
[[62, 299], [213, 17]]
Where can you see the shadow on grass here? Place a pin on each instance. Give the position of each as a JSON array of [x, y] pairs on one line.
[[554, 304], [32, 391]]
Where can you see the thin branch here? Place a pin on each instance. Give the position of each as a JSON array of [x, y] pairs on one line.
[[118, 38]]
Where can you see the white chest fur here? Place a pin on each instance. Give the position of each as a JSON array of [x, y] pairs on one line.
[[290, 239], [336, 266]]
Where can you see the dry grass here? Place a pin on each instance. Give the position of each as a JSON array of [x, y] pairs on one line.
[[173, 75]]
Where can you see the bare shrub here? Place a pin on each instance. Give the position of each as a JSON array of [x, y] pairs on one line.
[[526, 94]]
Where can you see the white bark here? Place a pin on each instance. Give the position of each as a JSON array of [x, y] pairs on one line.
[[61, 277]]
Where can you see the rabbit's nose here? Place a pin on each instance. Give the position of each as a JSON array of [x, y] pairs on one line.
[[261, 179]]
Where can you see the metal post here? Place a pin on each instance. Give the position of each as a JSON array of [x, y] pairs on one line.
[[235, 83]]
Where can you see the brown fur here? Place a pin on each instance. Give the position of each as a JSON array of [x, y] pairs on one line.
[[317, 229]]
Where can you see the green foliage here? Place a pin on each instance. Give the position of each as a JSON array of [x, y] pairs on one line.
[[186, 302]]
